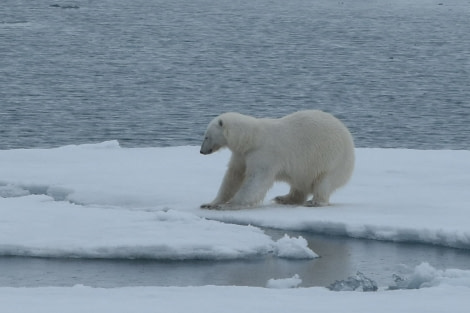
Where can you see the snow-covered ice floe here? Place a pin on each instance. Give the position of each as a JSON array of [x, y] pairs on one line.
[[395, 194], [40, 227], [104, 201], [101, 201]]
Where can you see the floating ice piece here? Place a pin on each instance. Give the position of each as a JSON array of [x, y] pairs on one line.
[[10, 191], [359, 282], [284, 283], [425, 276], [294, 248]]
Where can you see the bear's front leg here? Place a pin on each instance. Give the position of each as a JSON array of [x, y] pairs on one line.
[[258, 179], [231, 183], [211, 206]]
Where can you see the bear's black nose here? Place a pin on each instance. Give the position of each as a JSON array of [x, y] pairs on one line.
[[206, 152]]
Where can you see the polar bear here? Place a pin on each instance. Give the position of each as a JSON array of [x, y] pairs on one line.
[[310, 150]]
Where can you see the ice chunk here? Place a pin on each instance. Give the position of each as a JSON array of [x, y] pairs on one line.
[[10, 191], [400, 283], [425, 275], [294, 248], [359, 282], [284, 283], [106, 145]]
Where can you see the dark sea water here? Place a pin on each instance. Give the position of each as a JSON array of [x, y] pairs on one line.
[[155, 72]]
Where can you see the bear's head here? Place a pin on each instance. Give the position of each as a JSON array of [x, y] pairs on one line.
[[236, 131], [214, 138]]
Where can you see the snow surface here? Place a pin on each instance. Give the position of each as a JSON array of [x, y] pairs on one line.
[[101, 201], [104, 201], [150, 197]]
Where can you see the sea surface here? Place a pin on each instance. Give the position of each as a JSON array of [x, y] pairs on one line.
[[155, 72]]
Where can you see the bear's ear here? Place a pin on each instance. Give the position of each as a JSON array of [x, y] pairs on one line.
[[221, 123]]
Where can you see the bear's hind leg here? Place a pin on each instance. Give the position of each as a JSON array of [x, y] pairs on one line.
[[321, 192], [294, 196]]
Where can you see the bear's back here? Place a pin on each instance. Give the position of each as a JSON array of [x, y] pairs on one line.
[[319, 134]]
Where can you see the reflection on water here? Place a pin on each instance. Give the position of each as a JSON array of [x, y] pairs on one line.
[[340, 258]]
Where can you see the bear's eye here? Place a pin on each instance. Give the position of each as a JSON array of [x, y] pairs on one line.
[[221, 123]]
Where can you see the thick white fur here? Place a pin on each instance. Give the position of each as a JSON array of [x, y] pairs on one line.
[[310, 150]]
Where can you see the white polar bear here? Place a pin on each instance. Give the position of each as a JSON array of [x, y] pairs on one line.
[[310, 150]]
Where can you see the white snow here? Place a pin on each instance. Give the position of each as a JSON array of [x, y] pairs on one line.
[[38, 226], [97, 201], [104, 201], [399, 195]]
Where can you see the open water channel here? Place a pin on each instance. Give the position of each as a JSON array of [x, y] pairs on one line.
[[340, 258]]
